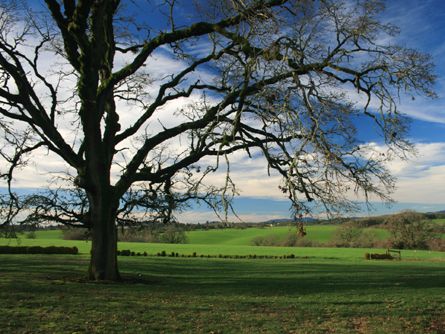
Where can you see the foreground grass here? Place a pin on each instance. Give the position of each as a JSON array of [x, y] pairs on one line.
[[47, 294]]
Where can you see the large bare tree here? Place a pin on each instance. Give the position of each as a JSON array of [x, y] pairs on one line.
[[284, 79]]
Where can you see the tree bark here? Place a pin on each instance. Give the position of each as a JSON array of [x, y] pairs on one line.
[[103, 262]]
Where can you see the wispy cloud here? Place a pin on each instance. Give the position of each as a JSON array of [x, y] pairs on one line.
[[202, 217], [421, 178]]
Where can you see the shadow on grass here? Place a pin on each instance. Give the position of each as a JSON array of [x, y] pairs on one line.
[[231, 277], [166, 294]]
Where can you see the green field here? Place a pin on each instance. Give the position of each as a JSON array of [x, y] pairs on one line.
[[439, 221], [237, 236], [245, 236], [228, 242], [324, 290], [241, 236], [47, 294]]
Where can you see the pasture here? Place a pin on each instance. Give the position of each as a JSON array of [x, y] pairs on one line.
[[323, 290], [235, 236], [47, 294], [230, 242]]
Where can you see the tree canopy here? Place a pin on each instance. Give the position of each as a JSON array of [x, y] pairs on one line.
[[142, 109]]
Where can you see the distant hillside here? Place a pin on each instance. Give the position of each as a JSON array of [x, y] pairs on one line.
[[277, 221], [289, 220]]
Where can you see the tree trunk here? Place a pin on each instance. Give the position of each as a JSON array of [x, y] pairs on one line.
[[103, 262]]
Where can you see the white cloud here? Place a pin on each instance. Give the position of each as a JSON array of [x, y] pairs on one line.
[[201, 217], [427, 186], [421, 108], [428, 155], [42, 166], [420, 179], [429, 111]]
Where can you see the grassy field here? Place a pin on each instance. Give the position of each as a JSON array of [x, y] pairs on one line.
[[324, 290], [245, 236], [238, 236], [47, 294], [237, 244], [439, 221]]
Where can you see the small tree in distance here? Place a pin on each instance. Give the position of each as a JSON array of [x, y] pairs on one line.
[[284, 79], [409, 230]]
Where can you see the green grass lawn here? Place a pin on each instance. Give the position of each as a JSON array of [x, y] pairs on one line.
[[48, 234], [439, 221], [227, 249], [47, 294], [238, 236], [324, 290]]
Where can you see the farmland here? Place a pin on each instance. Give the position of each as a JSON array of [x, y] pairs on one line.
[[230, 241], [42, 294], [322, 290]]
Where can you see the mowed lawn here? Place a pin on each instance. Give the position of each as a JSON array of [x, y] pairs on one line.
[[47, 294]]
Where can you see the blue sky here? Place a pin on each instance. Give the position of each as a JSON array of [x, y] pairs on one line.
[[421, 184], [421, 180]]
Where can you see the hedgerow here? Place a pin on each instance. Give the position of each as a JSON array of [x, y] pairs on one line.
[[38, 250], [127, 252]]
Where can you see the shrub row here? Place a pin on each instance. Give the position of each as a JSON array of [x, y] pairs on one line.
[[437, 244], [127, 252], [254, 256], [170, 234], [289, 240], [376, 256], [343, 237], [38, 250], [406, 234]]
